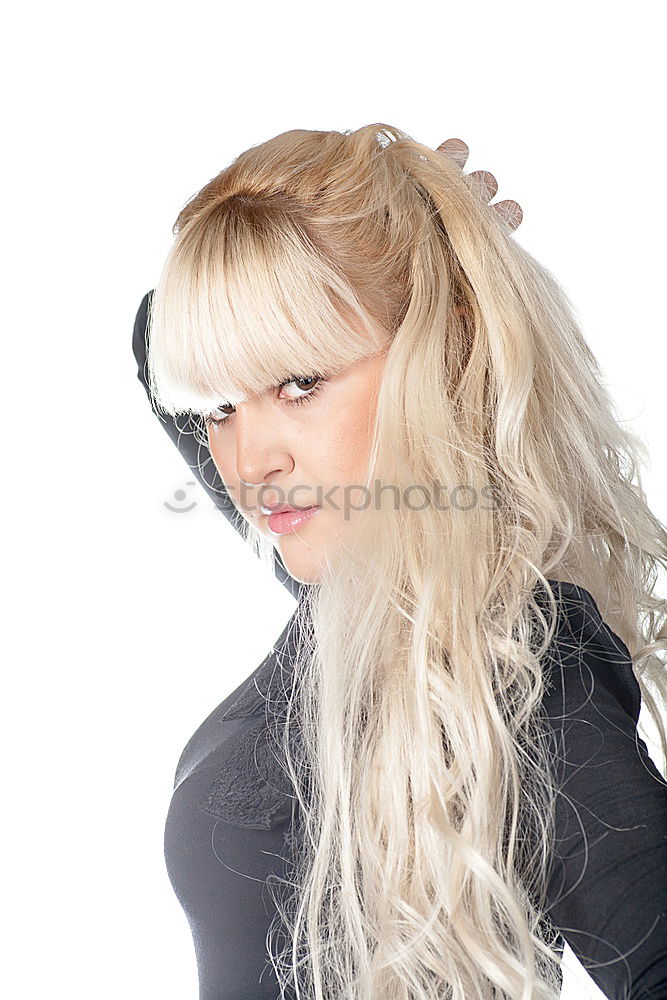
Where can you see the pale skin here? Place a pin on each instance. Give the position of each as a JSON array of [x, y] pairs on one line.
[[292, 449]]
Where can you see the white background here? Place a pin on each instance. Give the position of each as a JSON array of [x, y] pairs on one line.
[[126, 624]]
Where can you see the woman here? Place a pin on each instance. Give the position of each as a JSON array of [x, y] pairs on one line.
[[435, 777]]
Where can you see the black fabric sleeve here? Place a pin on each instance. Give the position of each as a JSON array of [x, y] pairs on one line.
[[195, 453], [607, 894]]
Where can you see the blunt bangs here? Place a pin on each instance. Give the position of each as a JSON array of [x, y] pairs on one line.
[[246, 302]]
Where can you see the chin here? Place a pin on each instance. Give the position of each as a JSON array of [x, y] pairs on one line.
[[308, 570], [303, 574]]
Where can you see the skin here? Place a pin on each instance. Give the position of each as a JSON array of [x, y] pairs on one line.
[[323, 442]]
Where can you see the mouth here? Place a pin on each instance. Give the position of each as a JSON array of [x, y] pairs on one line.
[[285, 519], [281, 508]]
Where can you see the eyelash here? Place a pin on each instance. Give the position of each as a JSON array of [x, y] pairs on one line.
[[211, 421]]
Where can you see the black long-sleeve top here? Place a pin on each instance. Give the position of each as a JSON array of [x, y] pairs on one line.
[[231, 818]]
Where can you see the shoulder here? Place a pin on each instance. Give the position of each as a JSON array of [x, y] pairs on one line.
[[605, 891], [587, 658]]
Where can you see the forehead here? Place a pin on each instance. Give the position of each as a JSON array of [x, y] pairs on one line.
[[231, 329], [247, 366], [366, 365]]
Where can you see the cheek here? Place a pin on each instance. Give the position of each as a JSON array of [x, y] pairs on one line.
[[334, 451], [345, 444], [223, 459]]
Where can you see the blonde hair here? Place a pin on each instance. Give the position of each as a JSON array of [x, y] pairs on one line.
[[423, 760]]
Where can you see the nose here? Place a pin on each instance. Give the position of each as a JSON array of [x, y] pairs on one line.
[[261, 452]]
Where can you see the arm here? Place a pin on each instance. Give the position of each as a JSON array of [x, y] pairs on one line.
[[607, 893], [196, 454]]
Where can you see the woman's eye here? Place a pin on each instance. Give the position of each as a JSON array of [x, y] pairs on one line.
[[215, 421], [305, 388], [308, 389]]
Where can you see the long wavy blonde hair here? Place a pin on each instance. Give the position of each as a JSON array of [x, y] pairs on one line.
[[423, 769]]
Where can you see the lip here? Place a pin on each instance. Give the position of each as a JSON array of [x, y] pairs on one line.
[[279, 508], [286, 519]]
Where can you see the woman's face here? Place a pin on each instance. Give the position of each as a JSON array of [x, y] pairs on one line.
[[301, 453]]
